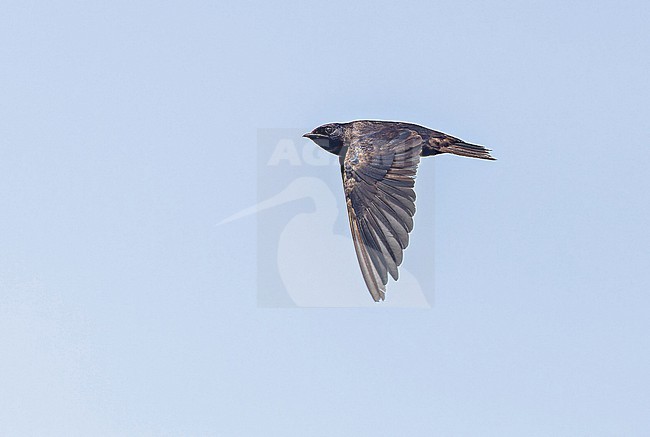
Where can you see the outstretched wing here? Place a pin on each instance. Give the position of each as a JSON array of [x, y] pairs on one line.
[[378, 179]]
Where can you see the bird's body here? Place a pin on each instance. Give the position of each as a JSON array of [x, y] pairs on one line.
[[379, 160]]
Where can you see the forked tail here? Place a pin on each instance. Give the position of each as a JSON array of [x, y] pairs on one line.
[[466, 149]]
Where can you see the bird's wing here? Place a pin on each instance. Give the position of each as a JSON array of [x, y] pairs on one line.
[[378, 179]]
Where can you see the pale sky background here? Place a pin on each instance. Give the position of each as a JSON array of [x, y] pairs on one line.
[[129, 129]]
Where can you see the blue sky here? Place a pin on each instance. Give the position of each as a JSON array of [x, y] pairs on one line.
[[129, 129]]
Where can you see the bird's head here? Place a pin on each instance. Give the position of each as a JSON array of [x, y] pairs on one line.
[[328, 136]]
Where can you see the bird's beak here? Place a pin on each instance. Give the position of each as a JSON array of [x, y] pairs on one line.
[[313, 136]]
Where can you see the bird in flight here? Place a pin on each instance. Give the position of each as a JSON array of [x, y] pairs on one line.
[[379, 160]]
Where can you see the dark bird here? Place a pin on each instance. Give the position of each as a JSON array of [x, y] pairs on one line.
[[379, 160]]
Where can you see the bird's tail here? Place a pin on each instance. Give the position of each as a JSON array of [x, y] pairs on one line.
[[462, 148]]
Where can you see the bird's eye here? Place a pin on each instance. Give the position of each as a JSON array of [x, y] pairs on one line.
[[329, 130]]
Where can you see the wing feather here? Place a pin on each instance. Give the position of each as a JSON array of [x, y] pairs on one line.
[[373, 281], [378, 176]]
